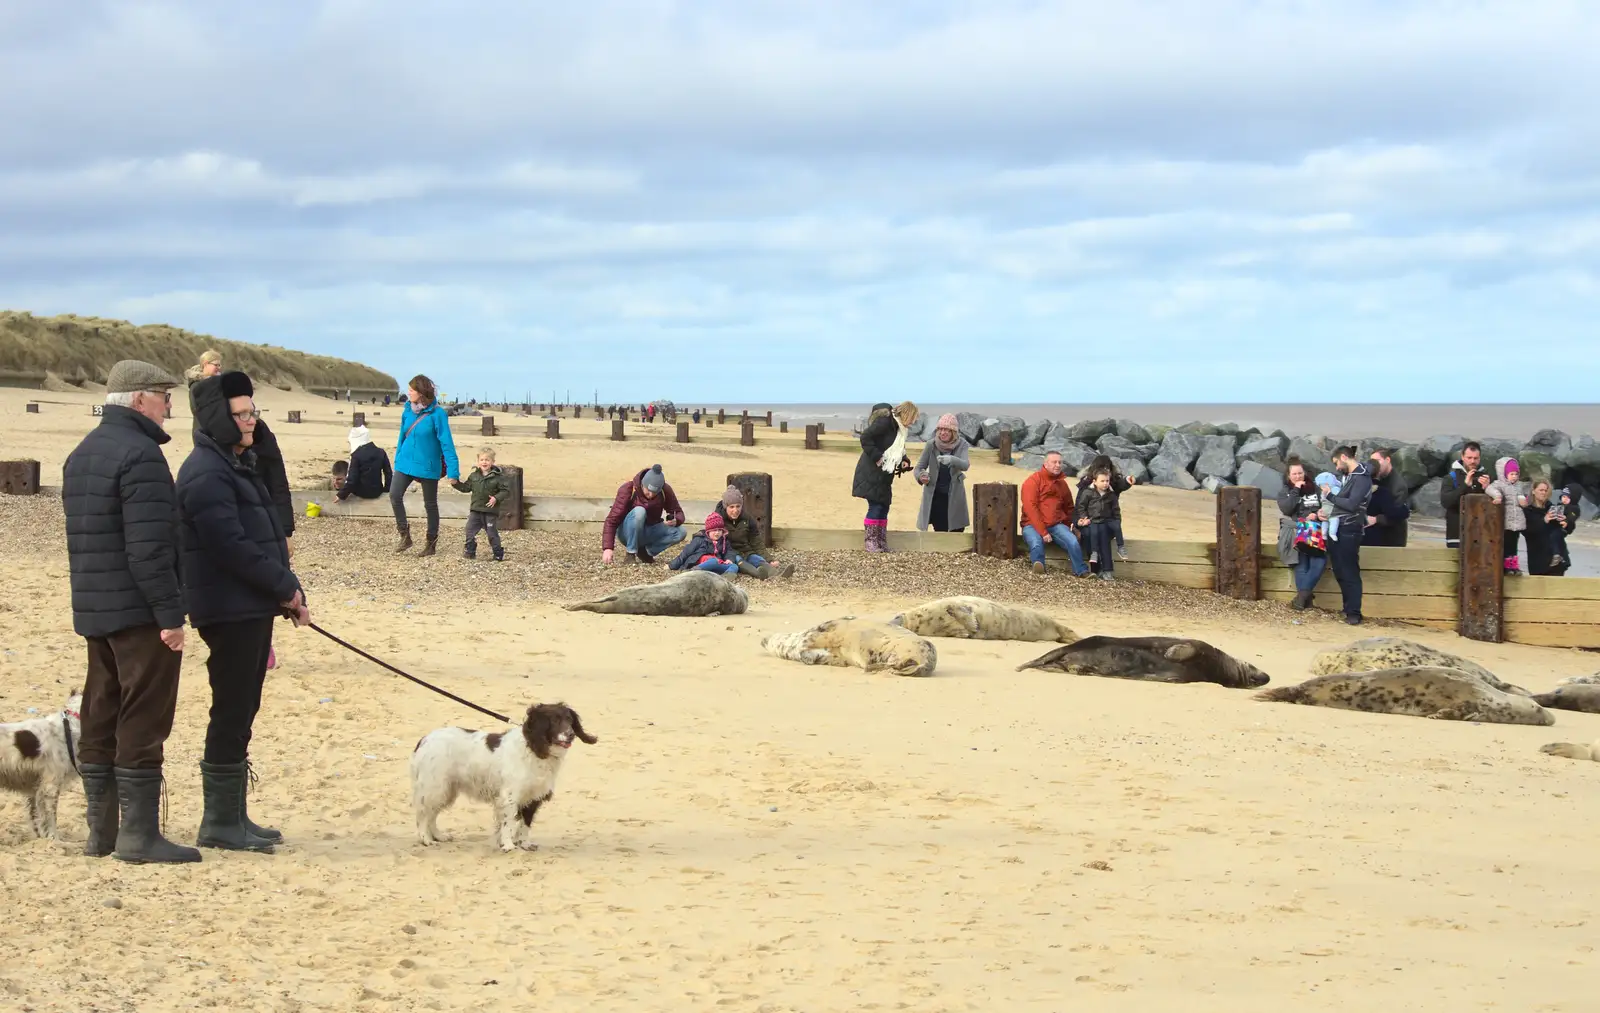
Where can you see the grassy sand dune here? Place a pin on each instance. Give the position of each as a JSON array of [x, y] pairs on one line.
[[81, 350]]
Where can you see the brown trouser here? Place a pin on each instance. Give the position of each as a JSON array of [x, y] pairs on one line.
[[129, 698]]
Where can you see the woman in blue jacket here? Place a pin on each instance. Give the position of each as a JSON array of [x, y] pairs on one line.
[[425, 454]]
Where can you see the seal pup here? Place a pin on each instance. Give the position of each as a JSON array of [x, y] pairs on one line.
[[1377, 654], [862, 643], [1573, 750], [1578, 696], [1581, 680], [1446, 694], [1154, 659], [696, 593], [971, 618]]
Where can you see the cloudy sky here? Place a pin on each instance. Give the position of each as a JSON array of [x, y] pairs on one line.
[[952, 200]]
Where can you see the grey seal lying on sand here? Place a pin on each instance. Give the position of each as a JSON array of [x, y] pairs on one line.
[[1446, 694], [873, 646], [696, 593], [1377, 654], [972, 618], [1154, 659]]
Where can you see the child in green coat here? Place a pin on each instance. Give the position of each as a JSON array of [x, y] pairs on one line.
[[486, 486]]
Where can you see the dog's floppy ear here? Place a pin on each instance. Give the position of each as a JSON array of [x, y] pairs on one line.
[[577, 728], [538, 732]]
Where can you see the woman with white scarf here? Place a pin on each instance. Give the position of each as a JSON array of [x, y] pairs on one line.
[[883, 459], [942, 471]]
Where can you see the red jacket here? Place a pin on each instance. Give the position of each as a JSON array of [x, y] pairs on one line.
[[1046, 501], [630, 495]]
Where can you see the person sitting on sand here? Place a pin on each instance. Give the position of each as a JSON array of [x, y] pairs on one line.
[[487, 486], [1119, 485], [709, 550], [369, 475], [744, 534], [1047, 515], [647, 515], [883, 459], [1097, 505], [942, 471], [1550, 520]]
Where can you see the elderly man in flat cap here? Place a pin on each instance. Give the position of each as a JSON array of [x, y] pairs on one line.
[[127, 602]]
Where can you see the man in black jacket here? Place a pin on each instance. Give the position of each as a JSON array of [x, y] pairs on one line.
[[1388, 509], [127, 603], [1466, 477], [1348, 508], [236, 580]]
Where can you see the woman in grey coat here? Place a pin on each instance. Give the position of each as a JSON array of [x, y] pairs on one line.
[[942, 472]]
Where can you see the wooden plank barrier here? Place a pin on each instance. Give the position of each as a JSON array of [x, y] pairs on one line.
[[1412, 585], [1552, 611], [994, 519], [757, 489], [1482, 569], [1239, 542], [19, 478]]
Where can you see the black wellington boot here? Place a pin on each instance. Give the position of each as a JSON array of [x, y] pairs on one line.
[[139, 837], [100, 790], [222, 826], [266, 833]]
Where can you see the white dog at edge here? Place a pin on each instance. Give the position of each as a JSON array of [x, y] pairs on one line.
[[38, 757], [514, 773]]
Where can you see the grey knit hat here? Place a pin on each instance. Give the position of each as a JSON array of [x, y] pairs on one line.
[[653, 480], [131, 375], [732, 496]]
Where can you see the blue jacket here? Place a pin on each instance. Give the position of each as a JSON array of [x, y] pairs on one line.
[[419, 454]]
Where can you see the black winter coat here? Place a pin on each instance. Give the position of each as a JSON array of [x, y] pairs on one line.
[[270, 467], [872, 483], [122, 528], [1450, 493], [1541, 537], [369, 475], [235, 559]]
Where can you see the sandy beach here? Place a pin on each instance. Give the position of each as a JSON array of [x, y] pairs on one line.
[[754, 834]]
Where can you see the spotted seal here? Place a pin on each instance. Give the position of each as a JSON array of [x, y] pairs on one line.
[[862, 643], [972, 618], [1426, 692], [1375, 654], [1155, 659]]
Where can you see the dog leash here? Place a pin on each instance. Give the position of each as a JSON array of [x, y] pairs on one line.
[[406, 675]]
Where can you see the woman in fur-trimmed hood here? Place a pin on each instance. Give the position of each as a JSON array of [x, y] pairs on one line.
[[883, 459]]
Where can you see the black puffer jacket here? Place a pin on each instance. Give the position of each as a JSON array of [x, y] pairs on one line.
[[274, 475], [369, 474], [872, 483], [235, 559], [122, 528]]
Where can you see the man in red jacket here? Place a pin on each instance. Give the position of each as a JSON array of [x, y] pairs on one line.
[[647, 515], [1047, 515]]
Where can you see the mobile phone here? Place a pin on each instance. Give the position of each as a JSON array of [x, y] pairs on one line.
[[1559, 510]]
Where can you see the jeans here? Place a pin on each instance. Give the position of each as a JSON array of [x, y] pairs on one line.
[[430, 501], [237, 669], [129, 698], [1115, 524], [487, 523], [718, 566], [877, 511], [1062, 536], [657, 538], [1100, 541], [752, 559], [1308, 570], [1344, 555]]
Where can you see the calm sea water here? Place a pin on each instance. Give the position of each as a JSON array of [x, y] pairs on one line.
[[1404, 422]]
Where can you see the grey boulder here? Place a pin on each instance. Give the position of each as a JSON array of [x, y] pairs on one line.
[[1216, 459], [993, 427], [1212, 484], [1311, 455], [1268, 451], [1425, 500], [1035, 436], [1131, 467], [1089, 431], [971, 426], [1132, 431], [1439, 452], [1170, 471], [1262, 477], [1181, 447]]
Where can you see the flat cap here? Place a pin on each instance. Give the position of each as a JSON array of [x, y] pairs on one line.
[[131, 375]]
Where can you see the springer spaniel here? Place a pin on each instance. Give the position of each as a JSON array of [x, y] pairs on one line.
[[38, 756], [514, 774]]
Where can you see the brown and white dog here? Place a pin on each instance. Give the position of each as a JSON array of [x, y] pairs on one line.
[[514, 773], [38, 756]]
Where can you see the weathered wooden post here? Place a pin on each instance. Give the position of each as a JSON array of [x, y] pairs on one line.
[[19, 478], [32, 408], [821, 429], [616, 430], [1239, 542], [1482, 569], [744, 416], [341, 471], [757, 489], [747, 433], [358, 418], [599, 413], [294, 415], [488, 425], [683, 432], [769, 418], [722, 416], [812, 443], [1004, 450], [508, 510], [527, 409], [783, 427], [710, 422], [994, 520], [552, 429], [577, 412]]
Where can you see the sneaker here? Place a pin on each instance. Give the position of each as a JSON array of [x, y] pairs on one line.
[[1555, 562], [1107, 576], [1038, 568], [1122, 554], [1094, 557]]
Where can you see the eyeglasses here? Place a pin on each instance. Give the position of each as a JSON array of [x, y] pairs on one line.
[[249, 416], [165, 395]]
